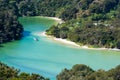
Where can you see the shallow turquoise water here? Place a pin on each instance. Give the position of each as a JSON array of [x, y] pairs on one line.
[[47, 57]]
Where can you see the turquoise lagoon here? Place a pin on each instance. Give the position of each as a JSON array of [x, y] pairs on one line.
[[48, 57]]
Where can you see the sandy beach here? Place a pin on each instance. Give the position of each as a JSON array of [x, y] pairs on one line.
[[73, 44], [67, 42], [60, 40], [60, 21]]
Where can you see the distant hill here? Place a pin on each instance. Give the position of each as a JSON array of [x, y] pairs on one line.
[[87, 22]]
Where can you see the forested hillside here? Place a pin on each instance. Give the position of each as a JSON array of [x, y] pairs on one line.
[[94, 23], [10, 73], [10, 28], [90, 22], [87, 22], [78, 72], [83, 72]]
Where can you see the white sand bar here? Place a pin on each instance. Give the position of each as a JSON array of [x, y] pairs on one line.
[[65, 41]]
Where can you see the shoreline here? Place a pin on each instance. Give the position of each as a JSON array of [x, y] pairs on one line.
[[60, 21], [60, 40], [67, 42], [73, 44]]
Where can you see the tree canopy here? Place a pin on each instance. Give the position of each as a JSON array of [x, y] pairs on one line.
[[83, 72], [90, 22], [10, 73], [10, 28]]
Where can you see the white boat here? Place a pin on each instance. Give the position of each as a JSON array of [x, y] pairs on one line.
[[36, 39]]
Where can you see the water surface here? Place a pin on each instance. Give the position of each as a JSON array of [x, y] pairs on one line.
[[49, 58]]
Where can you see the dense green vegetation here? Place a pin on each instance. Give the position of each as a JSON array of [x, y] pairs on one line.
[[10, 28], [9, 73], [83, 72], [78, 72], [89, 22]]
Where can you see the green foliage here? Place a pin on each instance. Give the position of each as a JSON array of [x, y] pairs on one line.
[[9, 73], [91, 22], [83, 72], [27, 8], [54, 31], [84, 4], [10, 28], [99, 34], [69, 13]]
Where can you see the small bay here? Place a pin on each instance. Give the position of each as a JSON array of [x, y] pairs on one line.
[[48, 57]]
